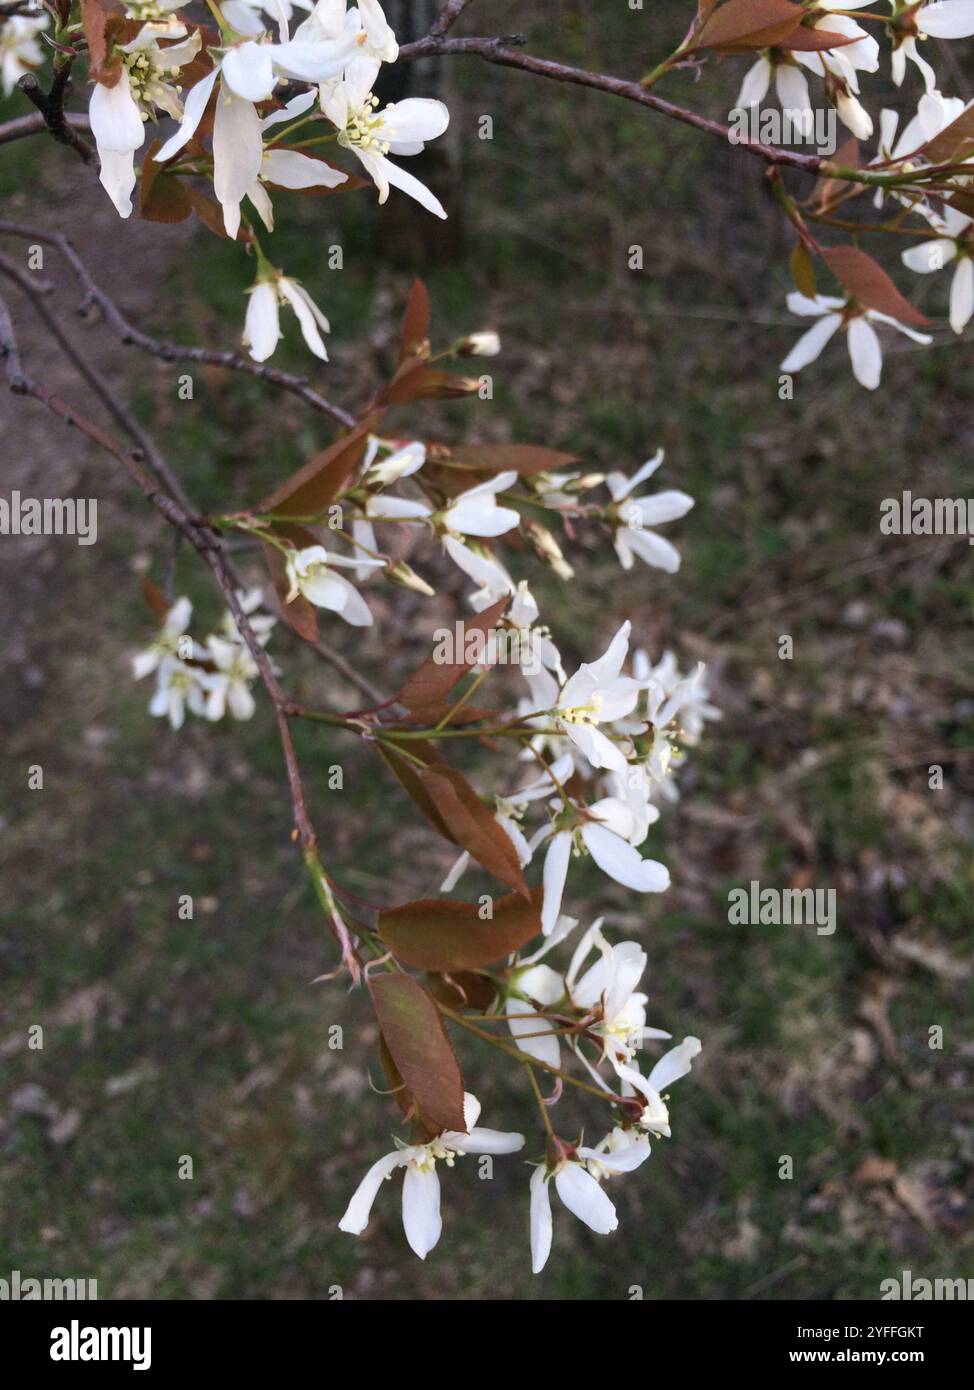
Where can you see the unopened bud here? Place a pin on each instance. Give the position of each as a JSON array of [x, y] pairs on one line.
[[403, 574], [549, 550], [586, 481], [479, 345]]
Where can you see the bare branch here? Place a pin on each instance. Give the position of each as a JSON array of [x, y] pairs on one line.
[[51, 106], [174, 352], [24, 126], [448, 16], [498, 50]]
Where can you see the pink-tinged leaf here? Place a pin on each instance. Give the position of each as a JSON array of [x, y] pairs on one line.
[[806, 40], [408, 776], [427, 688], [156, 599], [420, 1049], [414, 339], [313, 488], [438, 935], [524, 459], [473, 825], [463, 990], [749, 24], [868, 282], [954, 143]]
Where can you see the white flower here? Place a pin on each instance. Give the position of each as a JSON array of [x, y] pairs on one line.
[[172, 644], [790, 84], [485, 344], [671, 1067], [402, 461], [19, 49], [577, 1182], [947, 19], [476, 512], [865, 352], [633, 516], [178, 687], [605, 835], [261, 624], [229, 685], [372, 134], [287, 168], [310, 572], [692, 692], [598, 694], [262, 328], [840, 66], [952, 242], [421, 1185], [118, 113]]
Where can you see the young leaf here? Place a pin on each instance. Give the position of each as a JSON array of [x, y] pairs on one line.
[[748, 24], [463, 990], [802, 270], [312, 489], [954, 142], [414, 341], [439, 935], [524, 459], [156, 599], [409, 777], [428, 687], [473, 825], [870, 284], [419, 1047]]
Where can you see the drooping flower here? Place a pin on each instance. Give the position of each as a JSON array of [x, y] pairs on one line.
[[262, 325], [311, 572], [118, 113], [421, 1184], [578, 1183], [945, 19], [865, 351]]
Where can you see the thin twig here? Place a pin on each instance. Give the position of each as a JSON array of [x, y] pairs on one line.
[[51, 106], [172, 352]]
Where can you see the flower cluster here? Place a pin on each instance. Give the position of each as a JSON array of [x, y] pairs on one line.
[[208, 679], [224, 85]]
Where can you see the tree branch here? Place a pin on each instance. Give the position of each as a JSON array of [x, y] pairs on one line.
[[173, 352], [51, 106], [24, 126], [498, 50]]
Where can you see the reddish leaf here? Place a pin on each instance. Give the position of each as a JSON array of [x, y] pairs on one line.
[[870, 284], [443, 936], [524, 459], [162, 196], [311, 490], [416, 380], [105, 26], [473, 825], [420, 1049], [428, 687], [408, 775], [805, 40], [954, 141], [156, 599], [463, 990], [748, 24], [414, 340]]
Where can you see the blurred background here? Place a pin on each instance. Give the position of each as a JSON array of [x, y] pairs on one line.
[[207, 1038]]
